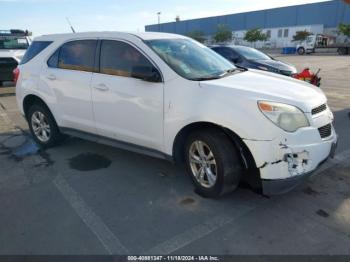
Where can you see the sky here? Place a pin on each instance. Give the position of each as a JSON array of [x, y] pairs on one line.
[[49, 16]]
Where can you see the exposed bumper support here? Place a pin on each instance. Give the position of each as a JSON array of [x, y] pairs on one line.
[[280, 186]]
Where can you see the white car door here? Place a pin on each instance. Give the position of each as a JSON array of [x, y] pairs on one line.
[[127, 108], [69, 74]]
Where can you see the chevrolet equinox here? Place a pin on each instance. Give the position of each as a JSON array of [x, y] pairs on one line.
[[169, 96]]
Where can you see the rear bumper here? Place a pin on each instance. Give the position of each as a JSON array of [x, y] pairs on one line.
[[6, 76], [6, 70]]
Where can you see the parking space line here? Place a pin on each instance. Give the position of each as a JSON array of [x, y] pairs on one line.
[[200, 231], [195, 233], [111, 243]]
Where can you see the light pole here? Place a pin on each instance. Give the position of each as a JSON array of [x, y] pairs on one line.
[[159, 13]]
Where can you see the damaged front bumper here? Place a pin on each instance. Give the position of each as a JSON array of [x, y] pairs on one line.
[[286, 162]]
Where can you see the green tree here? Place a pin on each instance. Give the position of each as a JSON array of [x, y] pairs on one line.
[[344, 29], [223, 33], [197, 35], [301, 35], [254, 35]]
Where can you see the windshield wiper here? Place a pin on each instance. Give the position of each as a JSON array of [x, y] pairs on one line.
[[225, 73], [229, 72], [205, 78]]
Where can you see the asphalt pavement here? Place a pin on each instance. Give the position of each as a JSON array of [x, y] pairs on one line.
[[86, 198]]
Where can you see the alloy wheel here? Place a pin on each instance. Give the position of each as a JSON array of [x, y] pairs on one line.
[[40, 126], [203, 164]]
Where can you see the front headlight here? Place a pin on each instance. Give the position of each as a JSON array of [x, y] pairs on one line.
[[287, 117]]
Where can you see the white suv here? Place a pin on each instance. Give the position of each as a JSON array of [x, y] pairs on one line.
[[169, 96]]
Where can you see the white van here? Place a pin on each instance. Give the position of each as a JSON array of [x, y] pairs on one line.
[[169, 96]]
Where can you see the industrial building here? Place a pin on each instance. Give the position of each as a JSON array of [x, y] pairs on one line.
[[280, 24]]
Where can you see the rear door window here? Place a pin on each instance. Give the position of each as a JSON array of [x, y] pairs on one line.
[[34, 49], [78, 55]]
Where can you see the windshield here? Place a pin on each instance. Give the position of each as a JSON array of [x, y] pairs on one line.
[[10, 42], [251, 53], [191, 59]]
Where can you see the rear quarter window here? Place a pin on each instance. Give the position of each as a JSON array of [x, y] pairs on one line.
[[34, 49]]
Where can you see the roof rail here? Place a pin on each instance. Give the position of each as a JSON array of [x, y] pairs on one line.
[[14, 32]]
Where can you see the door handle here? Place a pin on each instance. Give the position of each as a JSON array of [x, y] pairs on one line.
[[51, 77], [101, 87]]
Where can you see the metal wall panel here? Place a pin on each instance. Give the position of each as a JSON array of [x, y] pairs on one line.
[[329, 14]]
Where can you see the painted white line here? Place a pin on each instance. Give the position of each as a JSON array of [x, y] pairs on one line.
[[111, 243], [218, 222], [193, 234], [5, 117]]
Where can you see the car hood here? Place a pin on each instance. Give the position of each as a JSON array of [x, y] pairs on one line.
[[261, 85], [277, 64]]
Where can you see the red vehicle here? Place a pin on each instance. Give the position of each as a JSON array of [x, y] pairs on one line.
[[308, 76]]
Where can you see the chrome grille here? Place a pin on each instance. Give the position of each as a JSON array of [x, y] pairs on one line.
[[319, 109], [325, 131]]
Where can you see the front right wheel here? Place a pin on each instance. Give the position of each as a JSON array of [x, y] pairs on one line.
[[213, 163]]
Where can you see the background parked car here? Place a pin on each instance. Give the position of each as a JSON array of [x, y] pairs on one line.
[[13, 44], [251, 58]]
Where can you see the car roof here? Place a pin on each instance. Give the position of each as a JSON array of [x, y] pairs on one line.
[[110, 34], [230, 46]]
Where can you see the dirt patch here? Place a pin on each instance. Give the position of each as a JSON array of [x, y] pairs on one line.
[[310, 191], [89, 162], [188, 201], [322, 213]]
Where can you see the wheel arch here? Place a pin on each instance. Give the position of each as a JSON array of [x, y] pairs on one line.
[[252, 173], [30, 100], [180, 139]]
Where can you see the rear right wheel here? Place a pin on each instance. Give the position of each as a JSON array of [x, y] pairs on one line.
[[212, 162], [43, 126]]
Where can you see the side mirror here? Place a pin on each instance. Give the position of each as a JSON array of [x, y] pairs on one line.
[[146, 73]]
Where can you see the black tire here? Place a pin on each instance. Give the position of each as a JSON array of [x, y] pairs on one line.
[[228, 163], [55, 136], [301, 51], [343, 51]]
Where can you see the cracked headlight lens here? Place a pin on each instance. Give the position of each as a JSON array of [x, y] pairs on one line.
[[287, 117]]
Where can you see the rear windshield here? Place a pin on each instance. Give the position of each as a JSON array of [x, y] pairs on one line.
[[12, 42], [34, 49]]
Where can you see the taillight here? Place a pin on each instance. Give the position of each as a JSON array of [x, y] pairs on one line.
[[15, 75]]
